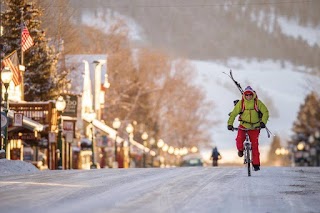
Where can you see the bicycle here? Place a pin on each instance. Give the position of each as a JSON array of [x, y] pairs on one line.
[[247, 149]]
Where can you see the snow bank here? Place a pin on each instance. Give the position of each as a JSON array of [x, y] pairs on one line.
[[14, 167]]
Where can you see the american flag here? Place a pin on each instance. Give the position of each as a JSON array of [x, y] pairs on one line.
[[26, 40], [11, 61]]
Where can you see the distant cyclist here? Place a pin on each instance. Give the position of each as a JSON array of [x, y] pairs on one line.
[[215, 156], [253, 114]]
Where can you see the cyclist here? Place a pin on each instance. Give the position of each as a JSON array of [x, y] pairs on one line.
[[253, 115], [215, 156]]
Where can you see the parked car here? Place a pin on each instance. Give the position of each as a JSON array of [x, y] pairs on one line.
[[191, 160]]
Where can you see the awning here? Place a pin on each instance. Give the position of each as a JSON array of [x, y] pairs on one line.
[[28, 123]]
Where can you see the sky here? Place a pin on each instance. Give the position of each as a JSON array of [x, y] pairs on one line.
[[282, 87]]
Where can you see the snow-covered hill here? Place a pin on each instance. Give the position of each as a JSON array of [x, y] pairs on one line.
[[282, 89]]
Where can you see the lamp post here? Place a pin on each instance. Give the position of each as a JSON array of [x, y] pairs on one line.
[[281, 153], [91, 117], [317, 140], [152, 152], [129, 130], [6, 77], [60, 106], [160, 144], [144, 137], [116, 124], [313, 150]]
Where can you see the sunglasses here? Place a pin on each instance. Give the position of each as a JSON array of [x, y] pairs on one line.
[[248, 94]]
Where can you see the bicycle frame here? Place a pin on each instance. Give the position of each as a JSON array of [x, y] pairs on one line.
[[247, 151]]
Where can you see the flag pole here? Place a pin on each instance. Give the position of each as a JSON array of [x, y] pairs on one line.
[[22, 57]]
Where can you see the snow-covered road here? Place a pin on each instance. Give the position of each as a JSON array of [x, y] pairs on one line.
[[222, 189]]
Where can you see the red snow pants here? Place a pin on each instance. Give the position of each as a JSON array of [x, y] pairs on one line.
[[254, 138]]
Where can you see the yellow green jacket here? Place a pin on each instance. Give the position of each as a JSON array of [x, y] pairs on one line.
[[249, 117]]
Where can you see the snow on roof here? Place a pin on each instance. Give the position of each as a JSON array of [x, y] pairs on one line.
[[76, 149], [86, 140], [14, 167]]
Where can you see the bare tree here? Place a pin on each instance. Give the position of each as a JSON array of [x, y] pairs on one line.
[[156, 91], [147, 86], [58, 24]]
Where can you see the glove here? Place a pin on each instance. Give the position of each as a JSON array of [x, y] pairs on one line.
[[230, 127], [262, 125]]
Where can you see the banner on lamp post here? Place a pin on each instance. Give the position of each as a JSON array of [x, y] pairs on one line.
[[17, 119], [69, 137], [68, 129], [67, 126], [52, 137], [4, 120]]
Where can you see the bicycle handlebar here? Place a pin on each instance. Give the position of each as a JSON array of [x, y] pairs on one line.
[[245, 129]]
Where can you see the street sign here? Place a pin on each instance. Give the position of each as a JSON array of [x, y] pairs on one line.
[[52, 137], [4, 120], [71, 105]]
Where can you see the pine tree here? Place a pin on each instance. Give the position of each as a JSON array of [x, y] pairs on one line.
[[41, 77], [308, 120]]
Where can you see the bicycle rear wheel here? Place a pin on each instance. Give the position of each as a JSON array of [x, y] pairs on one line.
[[248, 160]]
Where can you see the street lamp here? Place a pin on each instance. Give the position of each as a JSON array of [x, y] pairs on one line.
[[129, 130], [144, 137], [194, 149], [301, 145], [116, 124], [60, 106], [91, 117], [160, 143], [6, 77]]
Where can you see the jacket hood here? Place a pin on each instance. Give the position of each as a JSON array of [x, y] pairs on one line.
[[249, 90]]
